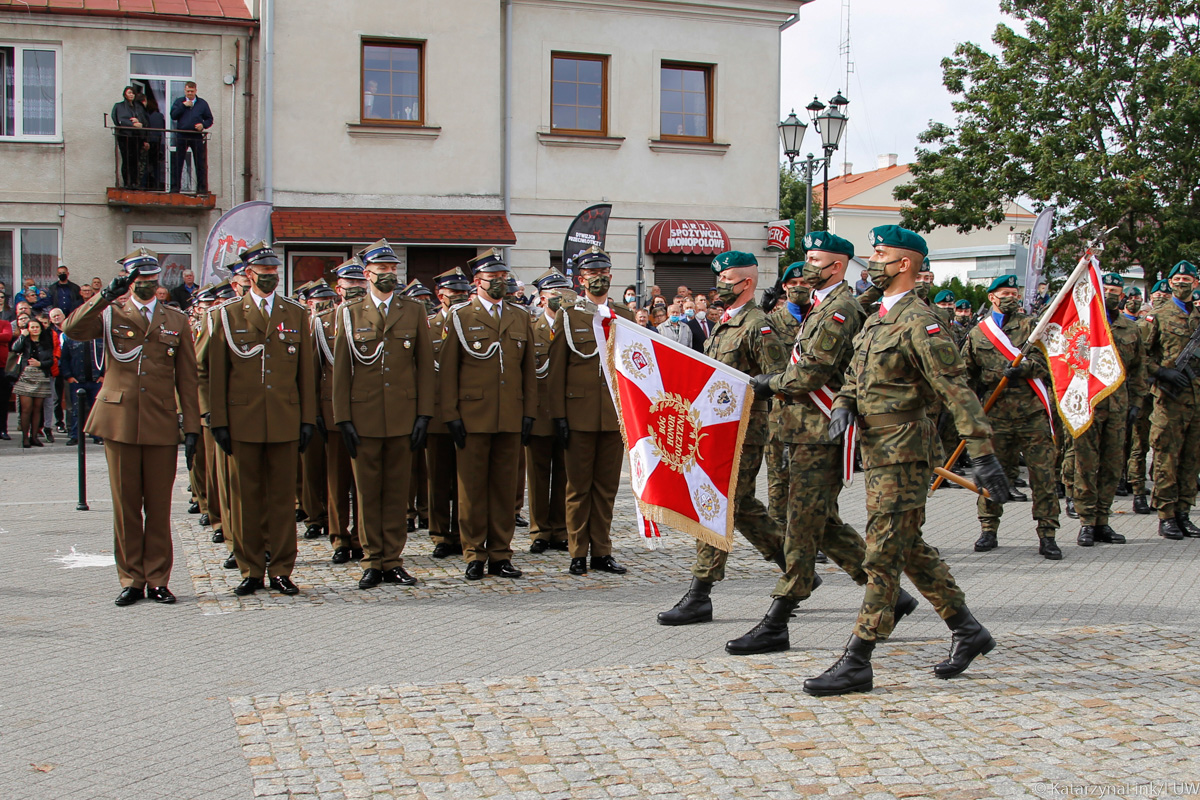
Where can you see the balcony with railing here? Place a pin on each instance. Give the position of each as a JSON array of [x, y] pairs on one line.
[[157, 168]]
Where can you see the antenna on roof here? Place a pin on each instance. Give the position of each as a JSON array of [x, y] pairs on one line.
[[844, 51]]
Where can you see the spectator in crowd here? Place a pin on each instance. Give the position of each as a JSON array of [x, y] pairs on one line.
[[42, 301], [182, 294], [85, 292], [65, 293], [7, 335], [864, 283], [715, 310], [97, 285], [642, 317], [655, 292], [658, 315], [28, 293], [7, 312], [81, 367], [683, 291], [191, 117], [54, 406], [162, 294], [698, 322], [631, 298], [1040, 299], [658, 301], [33, 385], [129, 118], [674, 328], [152, 148]]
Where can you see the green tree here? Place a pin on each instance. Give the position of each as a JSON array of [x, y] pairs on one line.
[[791, 206], [963, 291], [1094, 108]]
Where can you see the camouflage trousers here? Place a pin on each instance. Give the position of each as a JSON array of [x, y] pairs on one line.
[[815, 475], [1138, 447], [1098, 465], [1067, 470], [1038, 448], [1175, 437], [895, 513], [749, 517], [777, 479]]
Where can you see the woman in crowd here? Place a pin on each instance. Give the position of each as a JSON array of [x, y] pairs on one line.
[[36, 349], [129, 118], [7, 334]]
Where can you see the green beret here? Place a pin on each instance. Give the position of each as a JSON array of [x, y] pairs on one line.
[[1113, 279], [733, 258], [895, 236], [943, 296], [1182, 268], [1161, 286], [793, 271], [1003, 282], [828, 243], [964, 303], [1196, 295], [1133, 291], [925, 266]]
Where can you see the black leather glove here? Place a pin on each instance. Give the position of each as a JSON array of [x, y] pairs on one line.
[[321, 429], [839, 422], [1176, 379], [761, 384], [562, 431], [526, 429], [221, 437], [349, 438], [989, 474], [306, 434], [1018, 372], [118, 286], [458, 432], [189, 449], [420, 432], [1131, 417]]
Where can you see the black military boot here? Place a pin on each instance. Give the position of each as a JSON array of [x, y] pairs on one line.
[[850, 673], [1060, 490], [1140, 504], [905, 605], [695, 606], [985, 542], [1071, 512], [1187, 526], [1049, 549], [1107, 535], [1087, 536], [1169, 528], [968, 639], [1123, 488], [768, 636]]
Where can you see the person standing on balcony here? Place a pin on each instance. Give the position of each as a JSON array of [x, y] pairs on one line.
[[152, 174], [191, 117], [129, 118]]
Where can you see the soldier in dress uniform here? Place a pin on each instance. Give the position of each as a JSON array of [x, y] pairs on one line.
[[1175, 421], [745, 340], [151, 361], [382, 402], [516, 296], [585, 419], [218, 462], [904, 357], [453, 289], [785, 318], [341, 495], [1099, 449], [262, 404], [202, 300], [1019, 419], [418, 493], [488, 398], [314, 500], [544, 453]]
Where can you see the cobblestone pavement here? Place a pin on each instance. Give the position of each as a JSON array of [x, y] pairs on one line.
[[537, 688]]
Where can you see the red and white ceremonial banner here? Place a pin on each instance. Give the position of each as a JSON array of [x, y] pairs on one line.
[[1084, 364], [683, 419], [1001, 342]]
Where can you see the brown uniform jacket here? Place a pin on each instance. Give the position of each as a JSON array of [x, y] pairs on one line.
[[385, 397], [489, 394], [268, 396], [140, 399], [543, 335], [324, 327], [438, 330], [203, 338], [578, 391]]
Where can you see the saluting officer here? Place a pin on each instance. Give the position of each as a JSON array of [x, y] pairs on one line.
[[489, 398], [745, 340], [263, 409], [150, 361], [544, 453], [585, 420], [382, 402]]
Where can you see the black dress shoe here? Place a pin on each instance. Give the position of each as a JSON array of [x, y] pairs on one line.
[[1187, 526], [301, 515], [412, 524], [522, 522], [231, 562], [205, 521], [218, 537], [4, 435], [1071, 512], [578, 566], [129, 596], [70, 442], [608, 564], [442, 550], [49, 435], [1169, 528], [985, 542], [314, 531], [97, 440], [968, 639], [1021, 482], [283, 584], [422, 523], [560, 544], [399, 575], [1017, 497], [539, 546], [1140, 504], [193, 507], [850, 673], [1087, 536], [356, 553], [370, 578], [160, 594], [1049, 549], [248, 586], [1107, 535], [475, 571], [341, 555], [504, 569]]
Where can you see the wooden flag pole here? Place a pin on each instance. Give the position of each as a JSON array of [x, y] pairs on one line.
[[961, 481]]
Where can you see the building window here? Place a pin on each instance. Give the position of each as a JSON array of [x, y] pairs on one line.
[[30, 94], [28, 253], [685, 102], [579, 94], [175, 247], [309, 266], [393, 83]]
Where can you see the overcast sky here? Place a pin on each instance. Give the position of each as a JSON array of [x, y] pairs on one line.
[[896, 86]]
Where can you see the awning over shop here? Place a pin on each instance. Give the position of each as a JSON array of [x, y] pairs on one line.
[[686, 236], [312, 225]]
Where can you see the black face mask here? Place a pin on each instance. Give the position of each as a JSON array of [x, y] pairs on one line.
[[62, 277]]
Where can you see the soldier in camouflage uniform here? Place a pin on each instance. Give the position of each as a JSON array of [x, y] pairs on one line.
[[1098, 449], [964, 320], [1020, 422], [1139, 445], [745, 340], [904, 358], [1175, 422], [822, 351], [786, 324]]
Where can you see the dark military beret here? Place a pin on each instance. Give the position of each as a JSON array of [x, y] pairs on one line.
[[1003, 282], [794, 270], [925, 265], [943, 296], [1161, 286], [1133, 291], [1113, 279], [895, 236], [827, 242], [1182, 268], [731, 259], [964, 303]]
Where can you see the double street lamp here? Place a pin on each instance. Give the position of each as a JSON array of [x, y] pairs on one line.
[[830, 122]]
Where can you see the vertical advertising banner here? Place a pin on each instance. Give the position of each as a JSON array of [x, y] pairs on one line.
[[237, 229]]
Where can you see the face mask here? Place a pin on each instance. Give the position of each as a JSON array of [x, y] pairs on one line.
[[62, 277], [962, 318], [1182, 291], [266, 282], [727, 292], [812, 274], [1112, 302], [354, 292], [630, 297], [690, 313], [1009, 305], [597, 285], [878, 272], [799, 295], [921, 290], [458, 297], [554, 304], [144, 290], [385, 281], [497, 288]]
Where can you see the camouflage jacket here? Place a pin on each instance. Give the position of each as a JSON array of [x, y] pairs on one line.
[[1169, 329], [1132, 390], [787, 327], [1017, 404], [748, 342], [902, 363], [823, 350]]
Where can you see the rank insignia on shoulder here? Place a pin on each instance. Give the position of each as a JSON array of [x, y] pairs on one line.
[[838, 317], [932, 329], [765, 329]]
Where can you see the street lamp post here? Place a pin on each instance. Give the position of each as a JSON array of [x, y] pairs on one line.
[[830, 122]]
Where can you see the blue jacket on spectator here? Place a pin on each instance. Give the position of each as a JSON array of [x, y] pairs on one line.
[[185, 118], [75, 358], [65, 296]]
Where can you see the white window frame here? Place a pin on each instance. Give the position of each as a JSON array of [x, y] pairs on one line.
[[19, 49], [17, 279], [167, 249]]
